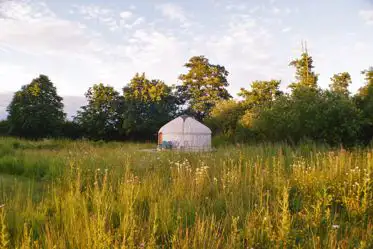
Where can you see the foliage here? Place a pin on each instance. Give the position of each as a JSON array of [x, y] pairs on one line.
[[36, 111], [304, 75], [261, 93], [323, 116], [101, 117], [71, 130], [203, 86], [4, 127], [224, 118], [149, 104], [265, 113], [117, 196], [340, 83], [364, 101]]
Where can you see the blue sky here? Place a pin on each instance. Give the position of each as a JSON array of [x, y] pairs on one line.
[[80, 43]]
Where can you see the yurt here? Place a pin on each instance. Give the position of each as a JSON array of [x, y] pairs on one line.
[[185, 133]]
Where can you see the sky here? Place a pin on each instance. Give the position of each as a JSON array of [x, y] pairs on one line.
[[80, 43]]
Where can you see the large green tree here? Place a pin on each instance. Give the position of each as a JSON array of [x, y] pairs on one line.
[[304, 74], [261, 93], [36, 111], [101, 117], [203, 86], [340, 83], [321, 116], [148, 105], [224, 117], [364, 101], [4, 127]]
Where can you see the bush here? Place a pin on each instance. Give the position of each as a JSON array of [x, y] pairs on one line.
[[224, 118], [71, 130], [4, 128], [321, 116], [220, 140]]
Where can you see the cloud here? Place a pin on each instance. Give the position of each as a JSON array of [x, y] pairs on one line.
[[112, 19], [93, 11], [103, 15], [126, 14], [32, 28], [22, 10], [367, 16], [76, 57], [236, 7], [79, 57], [173, 12], [287, 29], [245, 46]]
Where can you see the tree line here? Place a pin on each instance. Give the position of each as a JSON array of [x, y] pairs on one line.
[[263, 113]]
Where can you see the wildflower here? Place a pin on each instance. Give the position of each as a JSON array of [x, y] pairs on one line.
[[335, 226]]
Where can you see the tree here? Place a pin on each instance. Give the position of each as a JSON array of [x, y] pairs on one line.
[[203, 86], [364, 101], [148, 105], [72, 130], [304, 75], [261, 93], [365, 90], [340, 83], [36, 111], [101, 117], [4, 127], [322, 116], [224, 118]]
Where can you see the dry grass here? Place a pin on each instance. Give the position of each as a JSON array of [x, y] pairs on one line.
[[61, 194]]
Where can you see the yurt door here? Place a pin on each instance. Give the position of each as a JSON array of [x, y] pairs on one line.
[[160, 138]]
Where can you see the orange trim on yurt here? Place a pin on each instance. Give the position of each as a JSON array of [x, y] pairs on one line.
[[160, 138]]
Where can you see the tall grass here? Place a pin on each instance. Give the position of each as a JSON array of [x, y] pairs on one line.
[[116, 196]]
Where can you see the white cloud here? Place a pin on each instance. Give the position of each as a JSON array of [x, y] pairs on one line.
[[287, 29], [76, 57], [173, 12], [367, 16], [361, 46], [103, 15], [126, 14], [276, 10], [33, 28], [93, 11], [236, 7], [245, 47], [114, 21], [21, 10]]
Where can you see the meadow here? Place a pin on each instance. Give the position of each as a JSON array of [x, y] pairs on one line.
[[79, 194]]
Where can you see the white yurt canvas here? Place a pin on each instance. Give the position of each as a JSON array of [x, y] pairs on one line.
[[185, 133]]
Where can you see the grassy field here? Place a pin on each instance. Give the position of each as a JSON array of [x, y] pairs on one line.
[[61, 194]]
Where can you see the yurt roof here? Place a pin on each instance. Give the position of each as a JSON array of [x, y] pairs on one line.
[[190, 126]]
